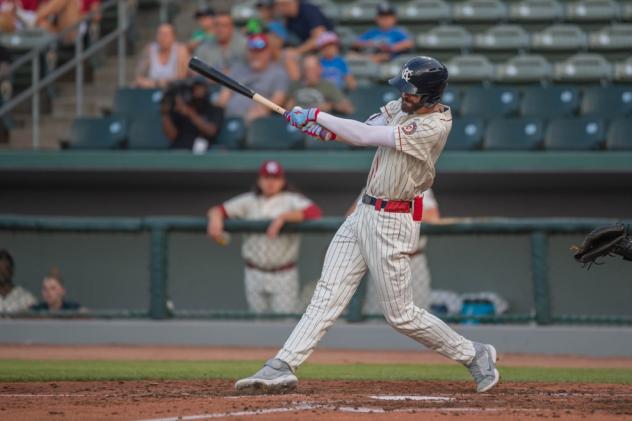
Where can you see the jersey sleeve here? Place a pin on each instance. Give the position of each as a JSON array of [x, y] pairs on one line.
[[309, 208], [391, 109], [417, 137], [237, 207]]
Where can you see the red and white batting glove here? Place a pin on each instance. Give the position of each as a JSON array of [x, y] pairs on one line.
[[299, 117], [319, 132]]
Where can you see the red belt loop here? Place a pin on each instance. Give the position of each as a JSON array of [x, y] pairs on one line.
[[418, 208], [378, 204]]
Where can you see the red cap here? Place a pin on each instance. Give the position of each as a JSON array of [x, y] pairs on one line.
[[271, 169]]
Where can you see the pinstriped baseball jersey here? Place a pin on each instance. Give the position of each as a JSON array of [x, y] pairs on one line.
[[406, 171]]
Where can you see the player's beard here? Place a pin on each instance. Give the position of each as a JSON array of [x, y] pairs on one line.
[[411, 107]]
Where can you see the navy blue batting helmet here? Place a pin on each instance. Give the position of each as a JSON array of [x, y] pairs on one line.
[[424, 76]]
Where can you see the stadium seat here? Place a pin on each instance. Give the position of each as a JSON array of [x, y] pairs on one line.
[[358, 11], [98, 133], [626, 10], [583, 68], [466, 134], [524, 68], [559, 38], [346, 35], [536, 11], [518, 133], [575, 133], [503, 37], [134, 102], [445, 37], [480, 11], [549, 101], [328, 7], [362, 68], [470, 68], [318, 145], [145, 132], [607, 101], [623, 71], [592, 10], [273, 133], [490, 102], [452, 98], [232, 134], [393, 67], [424, 11], [368, 100], [614, 37], [619, 134]]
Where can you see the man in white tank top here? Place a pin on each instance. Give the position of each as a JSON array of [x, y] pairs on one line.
[[383, 232]]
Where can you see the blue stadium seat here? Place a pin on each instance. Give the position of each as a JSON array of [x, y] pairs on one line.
[[466, 134], [490, 102], [146, 133], [98, 133], [607, 101], [232, 134], [134, 102], [273, 133], [367, 100], [619, 134], [517, 133], [549, 101], [452, 98], [575, 133]]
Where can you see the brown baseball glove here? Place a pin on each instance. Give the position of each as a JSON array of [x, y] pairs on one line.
[[604, 241]]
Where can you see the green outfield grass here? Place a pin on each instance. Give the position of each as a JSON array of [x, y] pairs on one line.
[[27, 370]]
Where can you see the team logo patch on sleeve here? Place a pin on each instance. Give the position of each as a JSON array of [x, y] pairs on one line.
[[410, 128]]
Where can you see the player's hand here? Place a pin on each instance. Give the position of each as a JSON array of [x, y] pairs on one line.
[[319, 132], [216, 231], [299, 117], [275, 226]]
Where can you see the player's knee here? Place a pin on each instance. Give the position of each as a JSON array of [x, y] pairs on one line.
[[403, 322]]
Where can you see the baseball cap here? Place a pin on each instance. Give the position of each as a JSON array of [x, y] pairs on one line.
[[385, 8], [326, 38], [271, 169], [257, 42], [204, 11]]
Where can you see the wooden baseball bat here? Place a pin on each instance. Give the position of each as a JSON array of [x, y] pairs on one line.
[[212, 73]]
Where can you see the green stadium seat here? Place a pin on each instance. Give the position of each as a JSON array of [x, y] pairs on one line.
[[232, 134], [480, 11], [559, 38], [614, 37], [592, 10], [318, 145], [358, 11], [575, 133], [583, 68], [346, 35], [470, 68], [98, 133], [393, 67], [273, 133], [362, 68], [134, 102], [536, 11], [549, 101], [607, 101], [524, 68], [619, 134], [518, 133], [445, 37], [452, 98], [368, 100], [145, 132], [466, 134], [490, 102], [424, 11], [626, 10], [623, 71], [503, 37]]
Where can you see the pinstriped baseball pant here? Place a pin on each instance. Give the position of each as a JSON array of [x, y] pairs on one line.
[[380, 242]]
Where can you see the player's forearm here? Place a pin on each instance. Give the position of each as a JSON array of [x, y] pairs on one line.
[[357, 133], [293, 216]]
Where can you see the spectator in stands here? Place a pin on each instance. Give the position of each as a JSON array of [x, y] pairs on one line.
[[263, 75], [314, 92], [58, 15], [305, 21], [53, 295], [387, 40], [162, 61], [189, 119], [205, 32], [13, 298], [271, 276], [284, 56], [228, 48], [16, 15], [334, 67], [266, 21]]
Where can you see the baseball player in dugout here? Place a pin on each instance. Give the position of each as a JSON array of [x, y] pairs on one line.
[[383, 231], [270, 273]]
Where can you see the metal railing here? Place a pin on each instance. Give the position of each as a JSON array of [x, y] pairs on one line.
[[159, 229], [77, 62]]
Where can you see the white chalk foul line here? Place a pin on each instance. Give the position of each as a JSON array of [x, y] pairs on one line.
[[411, 398]]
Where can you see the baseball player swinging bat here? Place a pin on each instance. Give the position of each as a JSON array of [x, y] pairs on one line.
[[212, 73]]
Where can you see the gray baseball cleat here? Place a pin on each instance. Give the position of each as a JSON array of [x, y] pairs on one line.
[[483, 367], [276, 376]]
